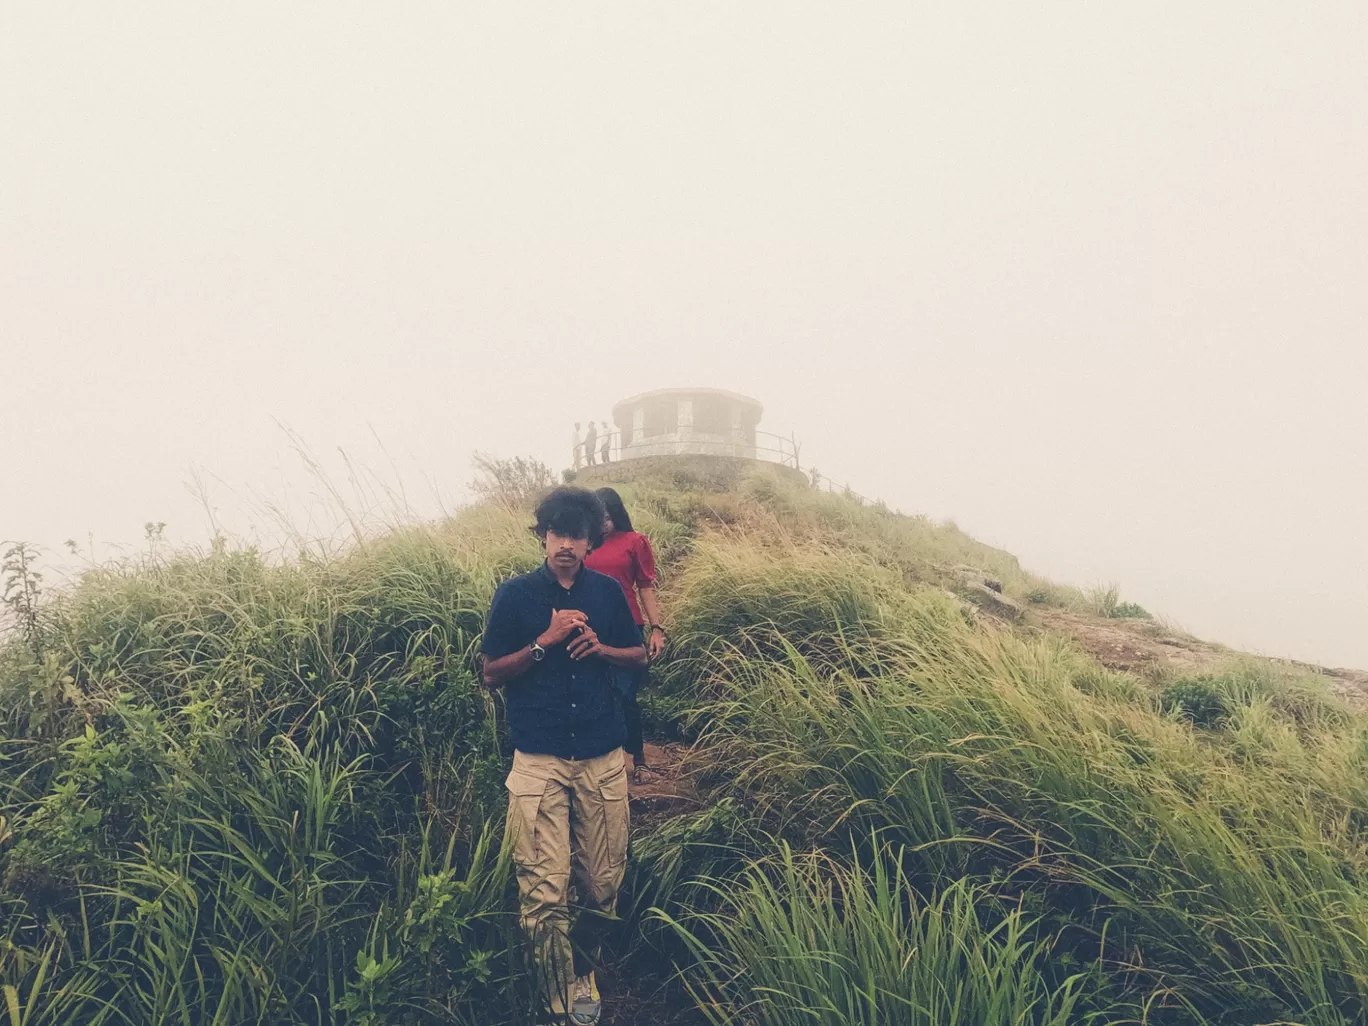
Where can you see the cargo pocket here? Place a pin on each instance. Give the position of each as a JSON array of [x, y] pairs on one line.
[[617, 821], [524, 803]]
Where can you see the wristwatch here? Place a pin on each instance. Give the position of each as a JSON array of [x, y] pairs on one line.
[[538, 653]]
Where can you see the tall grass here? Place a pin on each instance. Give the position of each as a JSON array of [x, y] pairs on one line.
[[1226, 869], [920, 550], [812, 939], [225, 780], [234, 790]]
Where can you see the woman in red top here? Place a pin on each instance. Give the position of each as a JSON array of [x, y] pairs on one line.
[[626, 556]]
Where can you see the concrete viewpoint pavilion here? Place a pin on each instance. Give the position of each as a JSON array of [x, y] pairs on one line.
[[695, 422]]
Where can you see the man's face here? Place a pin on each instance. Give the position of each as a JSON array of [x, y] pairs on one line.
[[566, 553]]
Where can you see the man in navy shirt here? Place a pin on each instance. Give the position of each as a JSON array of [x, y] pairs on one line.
[[552, 640]]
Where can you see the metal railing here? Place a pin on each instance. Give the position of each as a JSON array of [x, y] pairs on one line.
[[768, 447], [822, 483]]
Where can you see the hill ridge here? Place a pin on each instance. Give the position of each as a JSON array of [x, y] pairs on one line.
[[232, 790]]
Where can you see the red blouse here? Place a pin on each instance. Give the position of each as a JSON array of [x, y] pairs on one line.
[[626, 557]]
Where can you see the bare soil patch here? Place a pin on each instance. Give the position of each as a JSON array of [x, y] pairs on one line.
[[1134, 646], [1148, 648], [668, 790], [637, 1000]]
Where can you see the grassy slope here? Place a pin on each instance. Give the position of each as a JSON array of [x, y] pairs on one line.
[[242, 793]]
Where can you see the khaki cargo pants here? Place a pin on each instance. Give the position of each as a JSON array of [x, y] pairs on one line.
[[568, 820]]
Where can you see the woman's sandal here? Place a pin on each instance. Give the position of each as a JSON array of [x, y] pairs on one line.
[[643, 774]]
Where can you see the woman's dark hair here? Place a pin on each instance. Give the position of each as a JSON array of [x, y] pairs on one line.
[[617, 512], [571, 513]]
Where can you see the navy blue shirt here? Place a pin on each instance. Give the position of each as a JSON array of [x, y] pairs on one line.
[[561, 706]]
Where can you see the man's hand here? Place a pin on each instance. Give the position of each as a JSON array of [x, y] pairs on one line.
[[655, 644], [586, 644], [563, 624]]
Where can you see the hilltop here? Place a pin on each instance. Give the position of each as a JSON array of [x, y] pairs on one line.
[[1120, 635], [909, 782]]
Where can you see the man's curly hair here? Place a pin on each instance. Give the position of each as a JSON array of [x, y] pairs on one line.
[[571, 513]]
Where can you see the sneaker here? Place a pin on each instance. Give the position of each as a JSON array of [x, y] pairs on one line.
[[585, 1005]]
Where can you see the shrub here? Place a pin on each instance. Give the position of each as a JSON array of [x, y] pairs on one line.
[[513, 484], [1106, 601], [1131, 610], [1197, 700]]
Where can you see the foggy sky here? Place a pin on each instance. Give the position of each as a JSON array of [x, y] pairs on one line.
[[1090, 279]]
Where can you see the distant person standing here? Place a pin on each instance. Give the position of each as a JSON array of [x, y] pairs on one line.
[[607, 445], [627, 557], [590, 441], [576, 447]]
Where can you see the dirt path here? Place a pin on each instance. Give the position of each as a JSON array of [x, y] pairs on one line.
[[645, 1001], [654, 998], [667, 790]]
